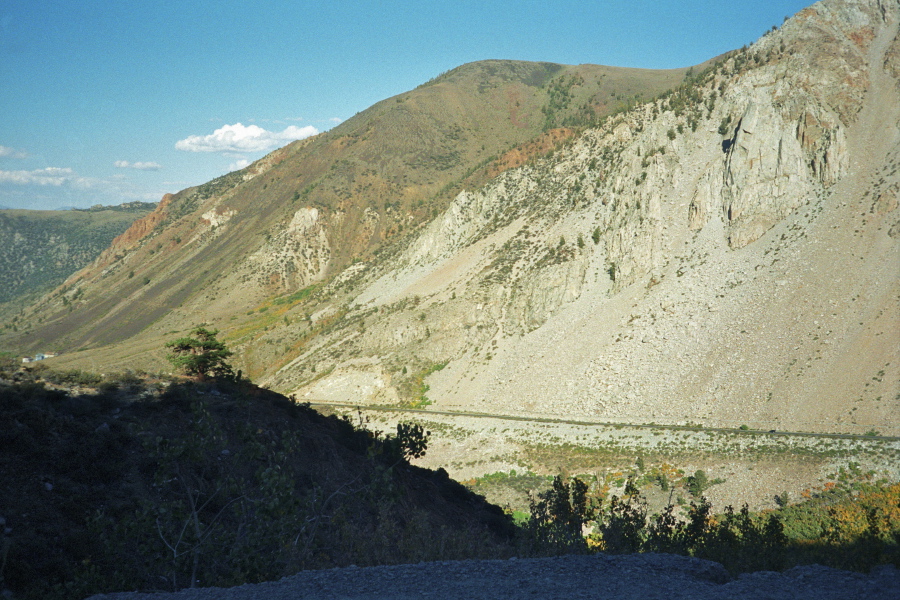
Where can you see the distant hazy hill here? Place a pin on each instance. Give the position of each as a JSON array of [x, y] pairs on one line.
[[39, 249]]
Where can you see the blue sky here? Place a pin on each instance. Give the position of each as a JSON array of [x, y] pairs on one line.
[[107, 102]]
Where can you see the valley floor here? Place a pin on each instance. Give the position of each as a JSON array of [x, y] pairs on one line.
[[755, 466]]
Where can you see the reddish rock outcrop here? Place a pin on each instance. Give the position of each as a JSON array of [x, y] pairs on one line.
[[143, 226]]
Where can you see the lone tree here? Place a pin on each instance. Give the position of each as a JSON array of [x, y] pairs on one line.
[[200, 354]]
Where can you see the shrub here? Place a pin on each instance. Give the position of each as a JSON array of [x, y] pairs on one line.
[[723, 126], [411, 440], [201, 355], [698, 483], [558, 515], [73, 377]]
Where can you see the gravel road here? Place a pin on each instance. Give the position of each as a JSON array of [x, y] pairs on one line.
[[624, 577]]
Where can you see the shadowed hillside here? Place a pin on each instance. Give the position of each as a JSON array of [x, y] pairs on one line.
[[122, 483]]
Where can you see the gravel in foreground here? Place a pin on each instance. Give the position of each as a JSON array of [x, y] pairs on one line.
[[636, 576]]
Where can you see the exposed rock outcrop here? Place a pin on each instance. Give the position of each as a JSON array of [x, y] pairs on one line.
[[141, 227], [631, 265], [295, 256]]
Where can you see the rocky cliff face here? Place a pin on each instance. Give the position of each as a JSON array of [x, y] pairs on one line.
[[295, 256], [675, 263]]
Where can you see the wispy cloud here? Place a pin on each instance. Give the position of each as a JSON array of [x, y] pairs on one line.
[[60, 177], [140, 166], [336, 120], [238, 165], [7, 152], [52, 187], [50, 176], [241, 138]]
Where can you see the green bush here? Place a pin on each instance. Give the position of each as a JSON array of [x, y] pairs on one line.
[[200, 354], [724, 125]]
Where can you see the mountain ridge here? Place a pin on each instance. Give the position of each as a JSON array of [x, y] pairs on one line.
[[650, 268], [396, 185], [825, 164]]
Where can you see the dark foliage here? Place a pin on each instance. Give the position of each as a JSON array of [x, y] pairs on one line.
[[40, 249], [845, 529], [174, 484], [558, 516]]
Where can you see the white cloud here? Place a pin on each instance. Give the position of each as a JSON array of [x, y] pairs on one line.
[[238, 165], [239, 138], [7, 152], [58, 177], [54, 187], [336, 120], [50, 176], [140, 166]]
